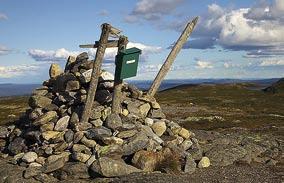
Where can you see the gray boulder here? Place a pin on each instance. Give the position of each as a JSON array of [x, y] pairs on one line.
[[112, 168]]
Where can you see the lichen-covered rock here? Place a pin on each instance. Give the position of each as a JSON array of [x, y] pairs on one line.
[[204, 162], [29, 157], [54, 70], [159, 127], [112, 168]]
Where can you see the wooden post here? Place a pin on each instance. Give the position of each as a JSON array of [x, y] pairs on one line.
[[116, 101], [106, 30], [171, 57]]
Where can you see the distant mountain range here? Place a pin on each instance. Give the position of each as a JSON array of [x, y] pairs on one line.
[[17, 89], [277, 87], [26, 89]]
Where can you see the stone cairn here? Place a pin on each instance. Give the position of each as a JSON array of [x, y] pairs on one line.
[[50, 135]]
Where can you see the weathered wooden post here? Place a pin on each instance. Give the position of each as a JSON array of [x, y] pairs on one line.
[[102, 45], [171, 57], [116, 108]]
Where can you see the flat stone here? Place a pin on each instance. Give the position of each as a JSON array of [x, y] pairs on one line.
[[204, 162], [97, 122], [80, 156], [83, 126], [54, 70], [186, 144], [35, 164], [45, 118], [62, 123], [39, 101], [184, 133], [112, 168], [149, 132], [49, 126], [136, 143], [88, 143], [190, 165], [54, 165], [76, 170], [98, 133], [60, 147], [81, 149], [91, 160], [174, 127], [29, 157], [156, 114], [159, 127], [144, 109], [126, 134], [52, 135], [113, 151], [53, 158], [113, 121]]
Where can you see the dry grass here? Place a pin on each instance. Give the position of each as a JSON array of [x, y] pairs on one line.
[[235, 104]]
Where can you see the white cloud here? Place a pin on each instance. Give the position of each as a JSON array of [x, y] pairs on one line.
[[257, 30], [103, 13], [272, 63], [152, 10], [14, 71], [227, 65], [203, 65], [62, 54], [4, 50], [3, 16], [51, 56]]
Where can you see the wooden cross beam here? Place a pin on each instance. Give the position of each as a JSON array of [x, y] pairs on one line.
[[109, 44], [171, 57]]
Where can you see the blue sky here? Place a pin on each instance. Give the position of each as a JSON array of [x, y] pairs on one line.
[[233, 39]]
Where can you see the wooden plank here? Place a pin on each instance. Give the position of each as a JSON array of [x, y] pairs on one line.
[[96, 72], [171, 57], [110, 44], [116, 101]]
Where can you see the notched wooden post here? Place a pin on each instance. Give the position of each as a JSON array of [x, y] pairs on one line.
[[171, 57], [116, 101], [106, 30]]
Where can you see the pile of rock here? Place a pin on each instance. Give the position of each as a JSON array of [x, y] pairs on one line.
[[50, 138]]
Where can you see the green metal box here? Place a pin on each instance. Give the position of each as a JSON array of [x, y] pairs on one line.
[[127, 63]]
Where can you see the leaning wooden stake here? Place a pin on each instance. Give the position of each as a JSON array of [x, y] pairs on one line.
[[106, 30], [171, 57], [116, 108]]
